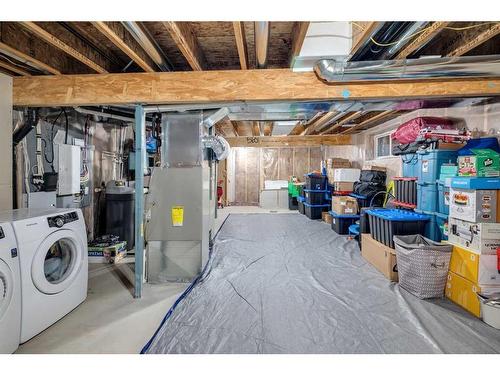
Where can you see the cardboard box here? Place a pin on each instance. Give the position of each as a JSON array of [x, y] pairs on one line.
[[110, 254], [464, 292], [343, 186], [382, 257], [335, 163], [480, 269], [327, 218], [346, 175], [367, 167], [476, 206], [481, 238], [484, 163], [344, 205]]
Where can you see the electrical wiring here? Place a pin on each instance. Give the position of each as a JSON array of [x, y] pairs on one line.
[[421, 31]]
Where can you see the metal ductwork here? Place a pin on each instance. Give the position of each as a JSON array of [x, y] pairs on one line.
[[431, 67], [262, 31], [403, 39], [218, 145], [142, 36]]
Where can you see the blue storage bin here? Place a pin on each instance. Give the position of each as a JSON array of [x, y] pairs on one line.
[[427, 197], [443, 198], [442, 222], [475, 183], [386, 223], [410, 165], [435, 226], [429, 163]]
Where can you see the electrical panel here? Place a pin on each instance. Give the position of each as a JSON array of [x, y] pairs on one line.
[[68, 169]]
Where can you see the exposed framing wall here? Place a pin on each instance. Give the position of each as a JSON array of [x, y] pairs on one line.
[[5, 142]]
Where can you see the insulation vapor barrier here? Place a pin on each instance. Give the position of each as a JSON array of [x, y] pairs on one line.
[[281, 283]]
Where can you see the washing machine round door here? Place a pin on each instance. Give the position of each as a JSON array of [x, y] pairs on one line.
[[57, 261], [6, 287]]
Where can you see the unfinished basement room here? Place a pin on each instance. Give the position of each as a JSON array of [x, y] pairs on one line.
[[249, 187]]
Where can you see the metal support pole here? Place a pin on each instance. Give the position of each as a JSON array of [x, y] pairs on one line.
[[140, 153]]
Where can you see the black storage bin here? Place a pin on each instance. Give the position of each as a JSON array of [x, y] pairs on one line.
[[405, 189], [314, 212], [315, 182], [293, 204], [300, 205], [315, 196], [386, 223], [341, 223], [374, 177], [364, 221]]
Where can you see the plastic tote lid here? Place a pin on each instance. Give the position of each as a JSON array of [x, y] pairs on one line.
[[344, 216], [397, 215]]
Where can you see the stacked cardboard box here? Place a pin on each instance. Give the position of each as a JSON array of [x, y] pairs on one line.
[[344, 205], [335, 163]]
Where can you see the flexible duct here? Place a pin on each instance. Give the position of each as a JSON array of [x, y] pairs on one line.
[[218, 145], [141, 35], [430, 67], [261, 30]]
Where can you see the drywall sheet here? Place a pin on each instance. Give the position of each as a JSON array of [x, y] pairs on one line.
[[281, 283]]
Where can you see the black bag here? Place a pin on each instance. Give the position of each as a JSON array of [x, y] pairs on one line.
[[374, 177], [368, 189]]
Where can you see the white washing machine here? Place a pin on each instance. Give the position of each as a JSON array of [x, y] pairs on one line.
[[10, 291], [52, 246]]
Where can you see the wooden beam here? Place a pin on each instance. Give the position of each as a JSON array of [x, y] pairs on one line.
[[13, 68], [422, 39], [361, 32], [299, 32], [316, 127], [268, 128], [342, 121], [290, 140], [467, 41], [298, 128], [124, 41], [58, 43], [241, 43], [255, 128], [377, 118], [310, 123], [184, 37], [227, 86], [21, 56]]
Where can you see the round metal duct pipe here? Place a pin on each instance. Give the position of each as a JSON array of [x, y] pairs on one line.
[[430, 67], [261, 32]]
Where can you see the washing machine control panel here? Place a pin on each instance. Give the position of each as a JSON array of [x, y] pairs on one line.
[[59, 220]]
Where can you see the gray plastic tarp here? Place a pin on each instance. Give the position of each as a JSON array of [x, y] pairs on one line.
[[281, 283]]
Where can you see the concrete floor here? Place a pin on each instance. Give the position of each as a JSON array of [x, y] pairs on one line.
[[111, 320]]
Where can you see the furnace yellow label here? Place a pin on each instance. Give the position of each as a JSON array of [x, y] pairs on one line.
[[177, 216]]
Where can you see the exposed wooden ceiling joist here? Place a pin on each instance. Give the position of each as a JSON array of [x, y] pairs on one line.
[[290, 140], [303, 126], [78, 51], [343, 120], [299, 32], [298, 129], [187, 42], [362, 31], [321, 122], [256, 128], [13, 68], [467, 40], [374, 119], [117, 34], [422, 39], [241, 43], [237, 85], [268, 128]]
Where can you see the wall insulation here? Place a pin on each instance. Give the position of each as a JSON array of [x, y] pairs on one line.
[[5, 142]]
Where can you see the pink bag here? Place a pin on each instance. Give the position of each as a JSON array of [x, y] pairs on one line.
[[408, 132]]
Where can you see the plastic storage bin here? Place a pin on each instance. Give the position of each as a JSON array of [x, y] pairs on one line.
[[410, 165], [313, 211], [315, 196], [427, 196], [405, 189], [341, 223], [442, 223], [430, 162], [300, 205], [315, 182], [293, 204], [386, 223], [435, 226], [443, 195]]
